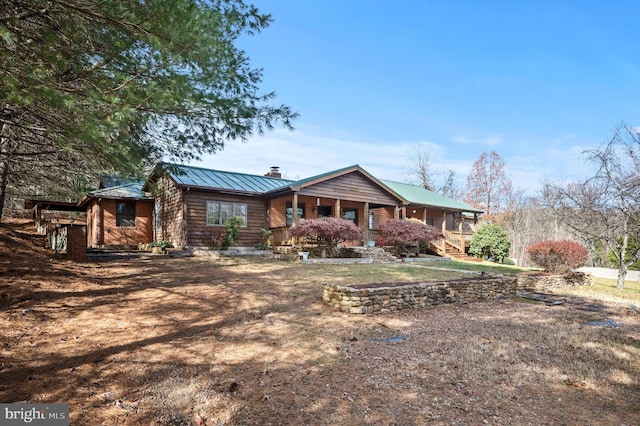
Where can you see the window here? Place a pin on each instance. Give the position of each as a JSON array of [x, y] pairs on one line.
[[289, 211], [351, 214], [219, 213], [324, 211], [430, 221], [126, 214]]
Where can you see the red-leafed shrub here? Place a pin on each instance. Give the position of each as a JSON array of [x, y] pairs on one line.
[[400, 233], [557, 256], [326, 232]]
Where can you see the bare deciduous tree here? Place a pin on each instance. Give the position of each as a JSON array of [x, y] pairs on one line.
[[450, 188], [606, 207], [422, 171], [421, 168], [488, 186]]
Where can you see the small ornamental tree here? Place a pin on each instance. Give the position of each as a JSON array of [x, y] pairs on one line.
[[557, 257], [326, 232], [400, 233], [490, 242]]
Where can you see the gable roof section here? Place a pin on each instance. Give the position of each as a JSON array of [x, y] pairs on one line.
[[313, 180], [127, 191], [419, 195]]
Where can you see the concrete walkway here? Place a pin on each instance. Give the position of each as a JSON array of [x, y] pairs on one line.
[[609, 273]]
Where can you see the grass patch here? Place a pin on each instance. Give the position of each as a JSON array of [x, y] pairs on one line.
[[488, 267], [606, 290], [373, 273]]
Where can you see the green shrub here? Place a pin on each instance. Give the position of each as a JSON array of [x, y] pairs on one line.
[[490, 242], [163, 244], [232, 228], [508, 261], [217, 237], [266, 239]]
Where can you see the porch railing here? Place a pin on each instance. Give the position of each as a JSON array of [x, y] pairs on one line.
[[456, 239], [281, 236]]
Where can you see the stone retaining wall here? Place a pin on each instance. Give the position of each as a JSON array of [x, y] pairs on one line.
[[383, 298]]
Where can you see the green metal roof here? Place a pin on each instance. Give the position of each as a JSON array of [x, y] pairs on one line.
[[419, 195], [131, 190], [217, 179]]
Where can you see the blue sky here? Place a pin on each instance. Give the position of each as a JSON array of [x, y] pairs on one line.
[[536, 81]]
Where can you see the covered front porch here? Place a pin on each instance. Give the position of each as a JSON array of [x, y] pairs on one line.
[[365, 215]]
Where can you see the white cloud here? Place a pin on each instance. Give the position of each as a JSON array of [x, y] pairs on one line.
[[301, 154]]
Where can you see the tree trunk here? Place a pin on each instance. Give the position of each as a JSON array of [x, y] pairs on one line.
[[4, 180], [623, 268], [622, 273], [4, 166]]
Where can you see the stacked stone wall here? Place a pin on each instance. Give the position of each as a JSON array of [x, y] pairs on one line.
[[381, 298]]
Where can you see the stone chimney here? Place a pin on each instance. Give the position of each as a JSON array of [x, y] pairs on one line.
[[274, 172]]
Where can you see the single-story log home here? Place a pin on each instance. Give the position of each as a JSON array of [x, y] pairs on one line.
[[189, 202]]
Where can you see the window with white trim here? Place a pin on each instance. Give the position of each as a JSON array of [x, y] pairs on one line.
[[218, 213]]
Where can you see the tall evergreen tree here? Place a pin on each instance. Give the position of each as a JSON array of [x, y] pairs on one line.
[[113, 84]]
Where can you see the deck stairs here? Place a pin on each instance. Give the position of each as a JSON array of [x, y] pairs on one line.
[[452, 250]]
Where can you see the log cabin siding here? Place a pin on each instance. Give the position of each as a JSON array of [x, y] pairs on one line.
[[428, 214], [199, 233], [353, 186]]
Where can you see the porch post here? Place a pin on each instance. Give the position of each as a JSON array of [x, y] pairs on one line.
[[294, 208], [294, 216], [337, 213], [366, 224], [444, 228], [462, 242], [396, 212], [424, 215]]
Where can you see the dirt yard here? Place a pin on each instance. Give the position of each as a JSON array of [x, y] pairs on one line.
[[182, 341]]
